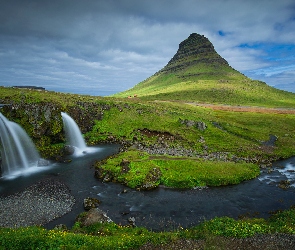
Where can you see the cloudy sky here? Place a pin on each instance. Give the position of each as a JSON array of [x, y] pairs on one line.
[[100, 47]]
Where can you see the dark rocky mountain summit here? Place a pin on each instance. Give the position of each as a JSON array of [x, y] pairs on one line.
[[196, 49]]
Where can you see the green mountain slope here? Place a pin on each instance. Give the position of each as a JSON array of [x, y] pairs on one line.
[[198, 73]]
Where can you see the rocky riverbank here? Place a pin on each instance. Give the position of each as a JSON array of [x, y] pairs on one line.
[[38, 204], [162, 149]]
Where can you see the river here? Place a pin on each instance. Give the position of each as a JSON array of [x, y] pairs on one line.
[[163, 208]]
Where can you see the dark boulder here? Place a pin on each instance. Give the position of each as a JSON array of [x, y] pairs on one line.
[[68, 150]]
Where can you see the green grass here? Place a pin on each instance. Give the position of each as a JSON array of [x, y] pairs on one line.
[[112, 236], [99, 236], [176, 172], [26, 96], [241, 133], [231, 92]]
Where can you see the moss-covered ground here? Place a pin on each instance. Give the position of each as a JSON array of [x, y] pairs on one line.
[[137, 169]]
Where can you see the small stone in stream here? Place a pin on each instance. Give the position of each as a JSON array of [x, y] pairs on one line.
[[131, 221], [61, 227], [124, 191], [91, 203]]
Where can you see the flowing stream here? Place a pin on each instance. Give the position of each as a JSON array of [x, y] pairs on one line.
[[163, 208]]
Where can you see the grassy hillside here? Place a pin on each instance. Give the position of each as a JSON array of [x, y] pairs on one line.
[[197, 73], [230, 92]]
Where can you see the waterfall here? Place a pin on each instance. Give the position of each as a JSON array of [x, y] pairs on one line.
[[18, 152], [73, 134]]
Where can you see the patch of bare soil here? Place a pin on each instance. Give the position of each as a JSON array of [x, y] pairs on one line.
[[245, 108]]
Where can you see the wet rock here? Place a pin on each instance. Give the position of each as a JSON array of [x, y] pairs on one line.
[[108, 177], [284, 184], [98, 173], [91, 203], [42, 121], [124, 191], [41, 163], [131, 221], [61, 227], [94, 215], [62, 159], [68, 150], [263, 166]]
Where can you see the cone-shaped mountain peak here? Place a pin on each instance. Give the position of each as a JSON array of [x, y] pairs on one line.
[[196, 49]]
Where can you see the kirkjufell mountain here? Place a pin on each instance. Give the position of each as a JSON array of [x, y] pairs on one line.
[[194, 54], [197, 73]]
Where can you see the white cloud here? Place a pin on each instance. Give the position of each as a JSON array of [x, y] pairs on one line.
[[271, 71], [115, 44]]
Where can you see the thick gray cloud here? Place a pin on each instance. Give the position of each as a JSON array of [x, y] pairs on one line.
[[95, 46]]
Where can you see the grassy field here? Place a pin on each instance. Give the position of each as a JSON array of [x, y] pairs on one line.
[[237, 135]]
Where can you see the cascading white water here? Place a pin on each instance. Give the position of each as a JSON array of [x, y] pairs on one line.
[[73, 134], [18, 152]]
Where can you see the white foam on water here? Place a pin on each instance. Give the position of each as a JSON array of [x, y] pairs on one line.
[[288, 171], [27, 172]]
